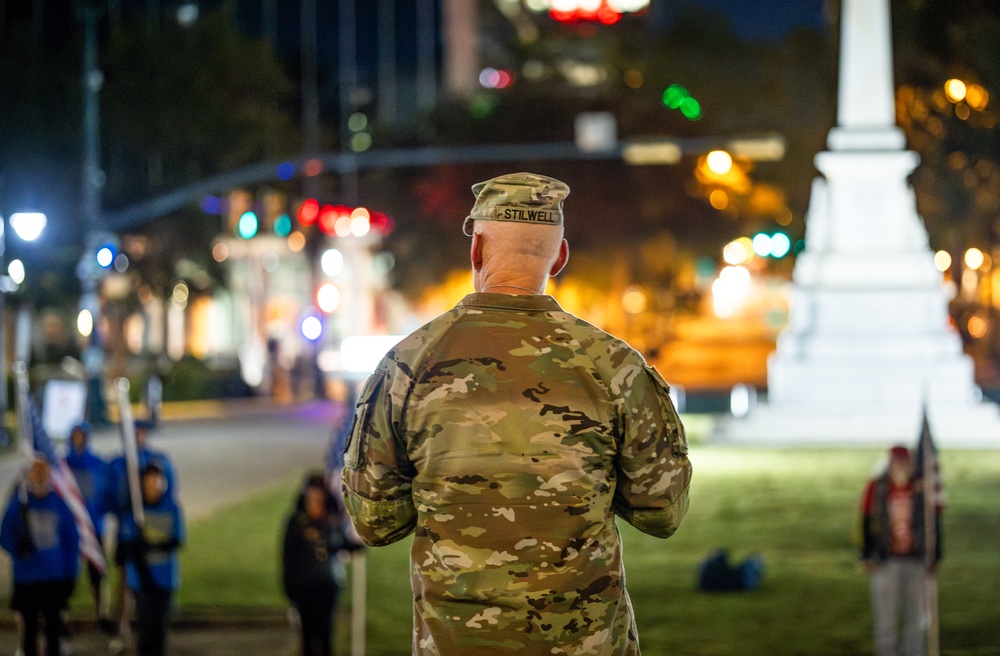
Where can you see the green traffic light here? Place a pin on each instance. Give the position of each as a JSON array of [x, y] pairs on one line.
[[691, 108], [247, 225], [674, 96], [283, 225]]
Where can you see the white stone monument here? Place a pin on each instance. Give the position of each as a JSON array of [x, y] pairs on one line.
[[868, 340]]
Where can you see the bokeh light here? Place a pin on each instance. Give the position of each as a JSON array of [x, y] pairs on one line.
[[313, 167], [220, 252], [105, 256], [309, 211], [357, 122], [730, 291], [342, 227], [977, 97], [85, 323], [283, 225], [247, 225], [332, 262], [634, 300], [674, 96], [634, 79], [328, 297], [180, 294], [942, 260], [780, 245], [977, 327], [719, 162], [361, 142], [719, 199], [296, 241], [974, 258], [311, 327], [360, 221], [16, 271], [691, 108], [956, 90], [270, 261], [762, 244], [738, 251]]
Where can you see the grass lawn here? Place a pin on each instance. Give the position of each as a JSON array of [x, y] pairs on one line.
[[796, 507]]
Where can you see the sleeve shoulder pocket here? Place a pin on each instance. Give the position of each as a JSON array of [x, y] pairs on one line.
[[672, 422], [354, 454]]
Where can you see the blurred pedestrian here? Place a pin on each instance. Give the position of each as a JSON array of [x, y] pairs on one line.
[[40, 534], [92, 476], [316, 536], [119, 503], [508, 433], [151, 566], [894, 538]]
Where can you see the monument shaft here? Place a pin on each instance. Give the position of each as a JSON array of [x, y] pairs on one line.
[[869, 341]]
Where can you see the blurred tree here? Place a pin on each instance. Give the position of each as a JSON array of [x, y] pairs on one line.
[[958, 182], [182, 103]]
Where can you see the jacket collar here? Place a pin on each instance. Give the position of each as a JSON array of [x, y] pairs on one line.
[[534, 303]]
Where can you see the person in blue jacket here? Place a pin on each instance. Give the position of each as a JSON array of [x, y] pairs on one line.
[[92, 477], [119, 502], [151, 567], [39, 533]]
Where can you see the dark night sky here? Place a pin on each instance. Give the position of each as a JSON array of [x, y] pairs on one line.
[[768, 19]]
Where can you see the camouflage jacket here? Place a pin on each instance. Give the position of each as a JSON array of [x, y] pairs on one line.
[[507, 434]]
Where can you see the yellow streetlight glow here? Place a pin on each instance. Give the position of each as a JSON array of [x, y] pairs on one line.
[[977, 327], [719, 162], [634, 301], [955, 90], [942, 260], [719, 199], [736, 252], [974, 258], [977, 97]]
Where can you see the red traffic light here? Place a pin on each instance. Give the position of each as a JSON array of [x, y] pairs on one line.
[[328, 216], [308, 212], [601, 12]]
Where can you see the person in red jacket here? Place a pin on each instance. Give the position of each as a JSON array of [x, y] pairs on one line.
[[894, 552]]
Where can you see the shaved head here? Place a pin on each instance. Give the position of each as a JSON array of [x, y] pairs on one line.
[[516, 254]]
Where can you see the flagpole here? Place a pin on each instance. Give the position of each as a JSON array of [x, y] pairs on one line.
[[26, 443], [131, 449], [26, 446], [930, 488], [359, 584]]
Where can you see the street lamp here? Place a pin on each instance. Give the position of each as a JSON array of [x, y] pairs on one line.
[[28, 226]]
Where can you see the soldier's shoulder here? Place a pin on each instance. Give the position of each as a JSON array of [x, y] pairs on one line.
[[600, 345], [410, 351]]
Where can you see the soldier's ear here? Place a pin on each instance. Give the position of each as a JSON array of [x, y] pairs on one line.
[[477, 251], [561, 259]]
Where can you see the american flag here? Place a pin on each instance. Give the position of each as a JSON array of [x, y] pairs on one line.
[[928, 468], [64, 484]]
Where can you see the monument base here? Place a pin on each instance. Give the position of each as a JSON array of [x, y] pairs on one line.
[[953, 425]]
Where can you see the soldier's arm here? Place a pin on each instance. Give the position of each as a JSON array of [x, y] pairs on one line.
[[377, 472], [653, 469]]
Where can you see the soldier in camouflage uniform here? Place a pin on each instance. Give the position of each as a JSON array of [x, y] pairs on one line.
[[507, 434]]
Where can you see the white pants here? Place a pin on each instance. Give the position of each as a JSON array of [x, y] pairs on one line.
[[899, 593]]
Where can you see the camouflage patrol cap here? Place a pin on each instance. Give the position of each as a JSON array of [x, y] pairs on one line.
[[518, 197]]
